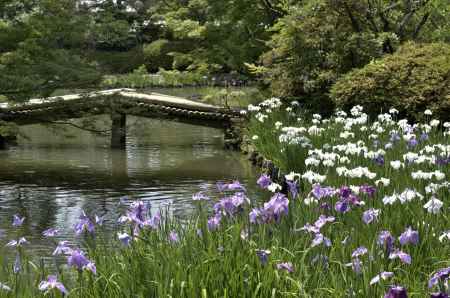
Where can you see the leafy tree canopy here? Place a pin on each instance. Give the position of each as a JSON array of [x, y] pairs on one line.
[[319, 40], [40, 48]]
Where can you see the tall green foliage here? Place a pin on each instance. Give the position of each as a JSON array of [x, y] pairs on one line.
[[319, 40], [222, 34], [415, 78], [40, 43]]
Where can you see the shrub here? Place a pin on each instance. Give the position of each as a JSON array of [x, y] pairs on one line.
[[415, 78], [119, 61], [156, 54]]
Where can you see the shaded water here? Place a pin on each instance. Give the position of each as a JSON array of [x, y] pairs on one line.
[[51, 177]]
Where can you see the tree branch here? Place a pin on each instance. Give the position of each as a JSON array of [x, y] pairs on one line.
[[420, 25], [103, 133], [369, 16], [353, 20]]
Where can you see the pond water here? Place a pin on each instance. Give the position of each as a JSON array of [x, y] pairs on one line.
[[51, 176]]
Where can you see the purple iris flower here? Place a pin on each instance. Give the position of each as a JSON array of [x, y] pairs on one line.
[[84, 224], [379, 160], [293, 188], [138, 211], [356, 265], [276, 207], [155, 221], [385, 239], [325, 206], [254, 215], [231, 205], [62, 248], [200, 196], [322, 192], [423, 137], [287, 266], [370, 215], [235, 185], [360, 251], [395, 137], [52, 283], [79, 261], [173, 237], [263, 255], [239, 199], [272, 210], [404, 257], [310, 229], [17, 264], [221, 187], [99, 220], [442, 275], [345, 192], [355, 200], [396, 292], [368, 190], [17, 243], [264, 181], [17, 220], [383, 275], [323, 219], [409, 237], [412, 142], [319, 239], [342, 206], [439, 295], [442, 161], [214, 222], [124, 238], [52, 232]]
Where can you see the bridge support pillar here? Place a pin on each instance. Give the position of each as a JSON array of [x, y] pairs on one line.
[[233, 134], [118, 131]]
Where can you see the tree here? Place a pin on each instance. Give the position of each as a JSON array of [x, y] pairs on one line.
[[41, 45], [219, 35], [320, 40], [413, 79]]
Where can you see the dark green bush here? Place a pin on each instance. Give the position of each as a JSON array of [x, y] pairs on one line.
[[415, 78], [119, 61]]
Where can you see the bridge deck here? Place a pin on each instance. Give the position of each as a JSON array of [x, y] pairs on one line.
[[162, 99], [119, 103], [122, 101]]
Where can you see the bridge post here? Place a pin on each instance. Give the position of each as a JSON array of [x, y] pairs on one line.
[[2, 142], [118, 131], [233, 134]]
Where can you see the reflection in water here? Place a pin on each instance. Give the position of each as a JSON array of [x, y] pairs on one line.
[[50, 178]]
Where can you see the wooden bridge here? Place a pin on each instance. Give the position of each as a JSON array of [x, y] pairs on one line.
[[121, 102]]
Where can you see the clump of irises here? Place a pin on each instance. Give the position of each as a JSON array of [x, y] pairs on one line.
[[363, 210]]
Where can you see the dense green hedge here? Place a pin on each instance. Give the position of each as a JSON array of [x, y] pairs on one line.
[[415, 78], [118, 61]]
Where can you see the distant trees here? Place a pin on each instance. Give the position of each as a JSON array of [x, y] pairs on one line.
[[41, 47], [299, 47], [318, 41]]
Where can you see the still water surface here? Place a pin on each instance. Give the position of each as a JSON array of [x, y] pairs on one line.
[[50, 177]]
